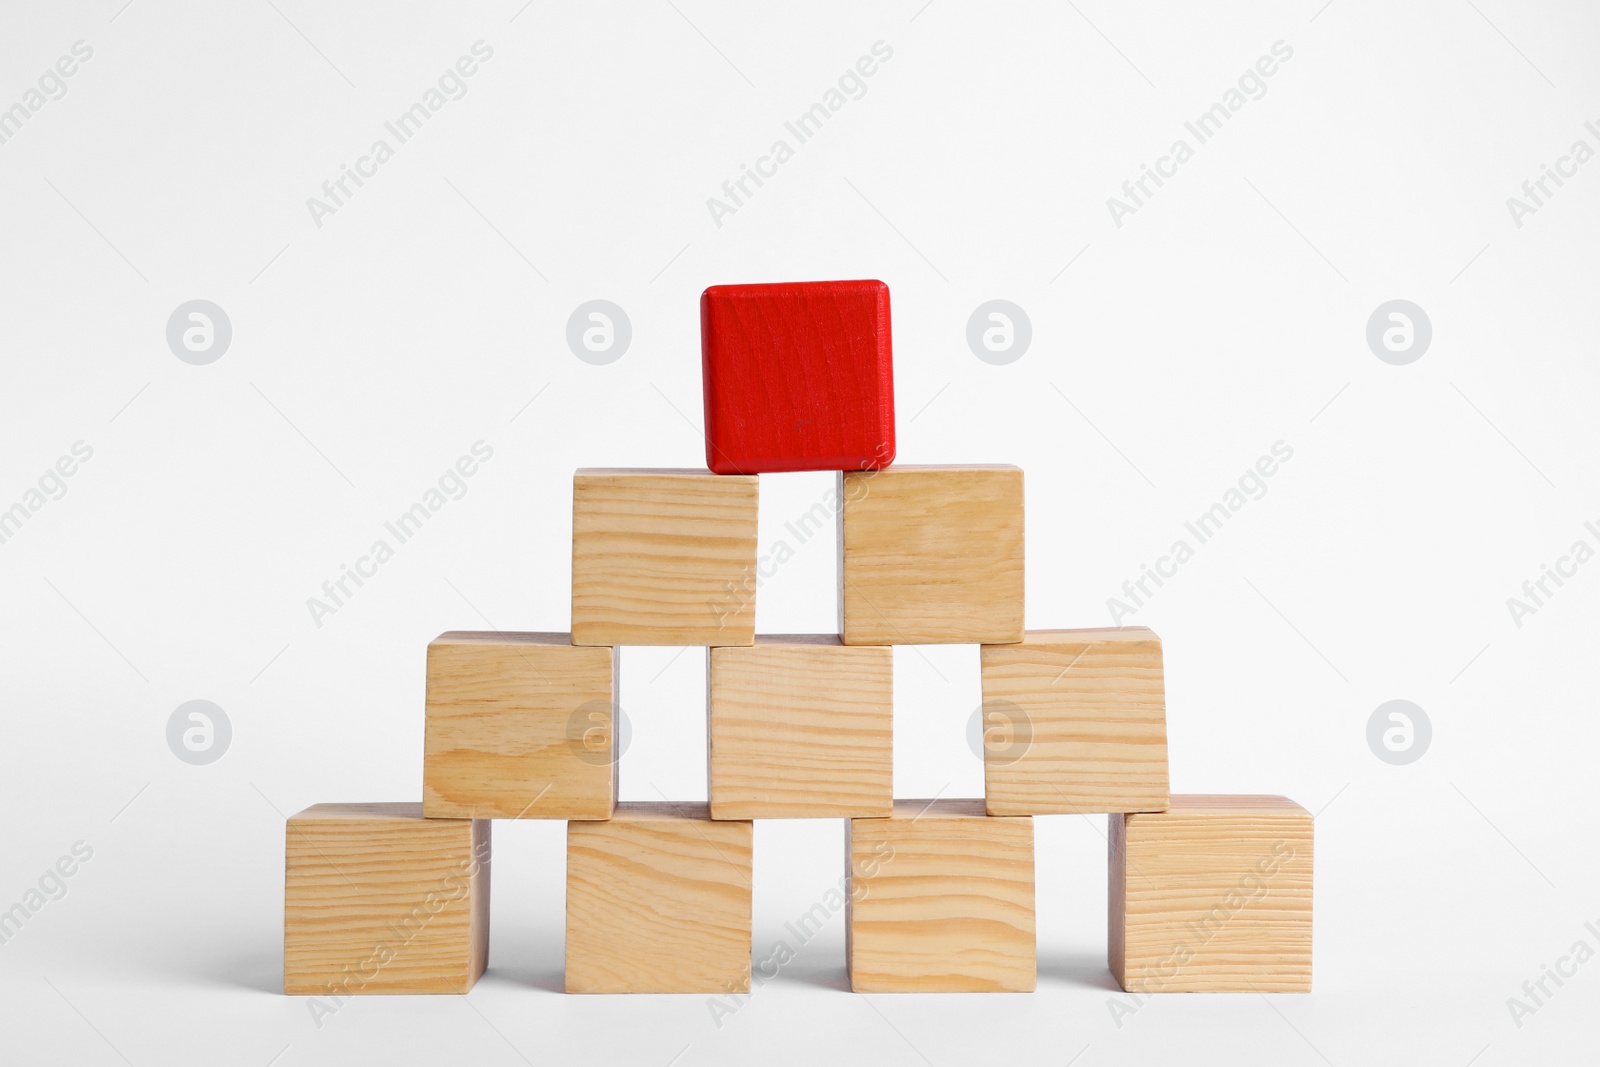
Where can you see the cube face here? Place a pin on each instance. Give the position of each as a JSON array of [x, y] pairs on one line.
[[798, 377], [658, 901], [663, 557], [1075, 721], [932, 555], [1213, 895], [801, 727], [519, 726], [941, 900], [378, 899]]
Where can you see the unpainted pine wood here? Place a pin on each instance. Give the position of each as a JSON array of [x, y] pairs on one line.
[[798, 376], [931, 555], [658, 901], [379, 899], [663, 557], [519, 726], [1212, 895], [941, 900], [801, 727], [1075, 722]]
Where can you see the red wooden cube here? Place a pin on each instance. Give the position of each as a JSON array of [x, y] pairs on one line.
[[798, 377]]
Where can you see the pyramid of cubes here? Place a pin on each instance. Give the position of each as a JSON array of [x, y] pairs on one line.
[[1206, 892]]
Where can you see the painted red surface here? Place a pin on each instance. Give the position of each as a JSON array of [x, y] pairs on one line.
[[798, 377]]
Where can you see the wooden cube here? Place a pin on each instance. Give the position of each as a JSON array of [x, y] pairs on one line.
[[801, 727], [931, 555], [1213, 895], [378, 899], [1074, 721], [519, 726], [797, 376], [658, 901], [941, 900], [663, 557]]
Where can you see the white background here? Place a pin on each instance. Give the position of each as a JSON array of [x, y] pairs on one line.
[[429, 313]]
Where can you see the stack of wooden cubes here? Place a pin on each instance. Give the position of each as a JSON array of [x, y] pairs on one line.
[[1206, 892]]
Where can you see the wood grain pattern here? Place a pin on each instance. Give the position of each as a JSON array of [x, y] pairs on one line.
[[663, 557], [801, 727], [798, 376], [1075, 721], [519, 726], [378, 899], [931, 555], [941, 900], [658, 901], [1213, 895]]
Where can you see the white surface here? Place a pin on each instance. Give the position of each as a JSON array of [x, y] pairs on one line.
[[1227, 314]]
